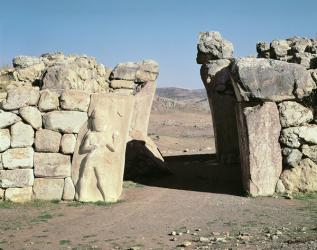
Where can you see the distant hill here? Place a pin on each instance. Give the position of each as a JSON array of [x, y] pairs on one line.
[[181, 94], [177, 99]]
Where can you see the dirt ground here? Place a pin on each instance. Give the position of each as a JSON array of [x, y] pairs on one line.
[[199, 206]]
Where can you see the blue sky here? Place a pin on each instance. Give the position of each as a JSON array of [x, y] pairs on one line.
[[115, 31]]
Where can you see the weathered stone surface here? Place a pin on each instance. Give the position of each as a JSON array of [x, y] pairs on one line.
[[68, 143], [64, 121], [292, 137], [75, 100], [16, 178], [48, 101], [280, 189], [260, 152], [18, 158], [125, 71], [263, 49], [69, 190], [80, 74], [48, 189], [222, 102], [8, 118], [139, 72], [292, 156], [18, 194], [22, 135], [52, 165], [270, 80], [148, 71], [47, 141], [310, 151], [1, 164], [293, 114], [2, 194], [32, 116], [122, 84], [279, 49], [98, 161], [20, 97], [25, 61], [30, 74], [302, 178], [4, 139], [211, 46]]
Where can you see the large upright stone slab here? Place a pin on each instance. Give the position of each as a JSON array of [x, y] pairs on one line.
[[52, 165], [16, 178], [65, 121], [222, 101], [98, 161], [270, 80], [260, 152]]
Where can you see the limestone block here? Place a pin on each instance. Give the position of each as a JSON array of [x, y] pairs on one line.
[[48, 101], [16, 178], [270, 80], [4, 139], [75, 100], [310, 151], [25, 61], [292, 156], [69, 190], [125, 71], [52, 165], [7, 119], [261, 159], [302, 178], [32, 116], [47, 141], [18, 194], [294, 136], [18, 158], [65, 121], [293, 114], [279, 49], [2, 194], [48, 189], [211, 46], [68, 143], [1, 164], [20, 97], [30, 74], [22, 135], [98, 160], [122, 84], [147, 72]]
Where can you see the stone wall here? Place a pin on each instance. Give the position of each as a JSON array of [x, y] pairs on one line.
[[274, 122], [64, 125]]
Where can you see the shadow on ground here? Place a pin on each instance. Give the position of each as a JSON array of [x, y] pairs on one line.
[[197, 173]]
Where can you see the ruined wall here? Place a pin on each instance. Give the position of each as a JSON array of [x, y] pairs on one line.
[[64, 125], [274, 102]]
